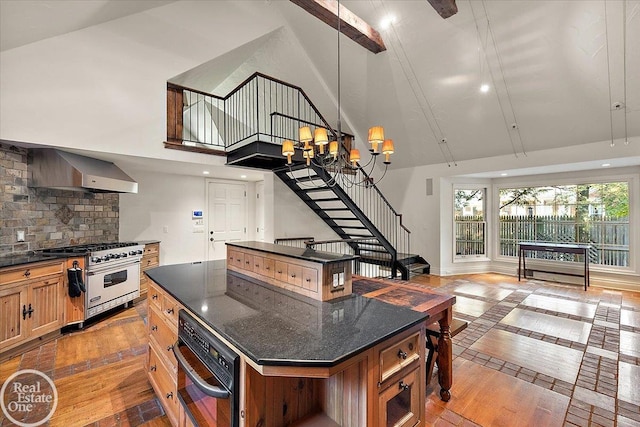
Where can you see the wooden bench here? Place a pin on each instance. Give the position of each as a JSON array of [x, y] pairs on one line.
[[433, 334]]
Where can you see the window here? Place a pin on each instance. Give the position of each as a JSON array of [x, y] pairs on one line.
[[470, 222], [597, 214]]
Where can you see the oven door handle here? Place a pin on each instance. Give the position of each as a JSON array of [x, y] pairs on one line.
[[107, 267], [208, 389]]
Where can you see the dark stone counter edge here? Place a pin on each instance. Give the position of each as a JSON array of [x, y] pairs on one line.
[[298, 253], [16, 260], [290, 362], [332, 363]]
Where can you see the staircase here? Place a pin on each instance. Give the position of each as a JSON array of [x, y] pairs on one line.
[[250, 124]]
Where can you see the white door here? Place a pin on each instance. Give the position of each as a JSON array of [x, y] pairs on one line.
[[260, 211], [227, 216]]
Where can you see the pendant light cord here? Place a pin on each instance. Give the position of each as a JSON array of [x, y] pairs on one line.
[[339, 136]]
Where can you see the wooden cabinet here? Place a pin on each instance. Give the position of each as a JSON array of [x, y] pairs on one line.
[[31, 301], [163, 333], [316, 280], [400, 373], [150, 259], [399, 405]]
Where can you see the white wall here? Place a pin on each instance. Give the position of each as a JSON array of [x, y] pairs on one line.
[[103, 88], [165, 200]]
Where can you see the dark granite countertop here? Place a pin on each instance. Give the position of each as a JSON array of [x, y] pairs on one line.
[[299, 253], [273, 326], [14, 260], [146, 242]]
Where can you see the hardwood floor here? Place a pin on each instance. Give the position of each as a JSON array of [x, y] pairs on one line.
[[534, 354]]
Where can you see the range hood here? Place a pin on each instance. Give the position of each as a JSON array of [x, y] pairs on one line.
[[51, 168]]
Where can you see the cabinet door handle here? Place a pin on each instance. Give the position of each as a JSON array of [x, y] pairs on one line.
[[279, 271], [30, 311], [27, 273], [293, 275], [170, 395], [402, 354], [152, 368], [308, 280], [170, 347], [154, 328], [24, 312], [154, 296], [170, 311], [404, 386], [246, 262]]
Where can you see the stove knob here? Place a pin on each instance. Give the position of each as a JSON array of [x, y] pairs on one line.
[[96, 259], [139, 251], [123, 255], [132, 252], [106, 258], [116, 256]]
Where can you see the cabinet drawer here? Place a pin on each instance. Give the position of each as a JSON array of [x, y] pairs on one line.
[[399, 404], [294, 274], [31, 271], [238, 259], [170, 309], [257, 264], [269, 266], [310, 279], [155, 296], [164, 384], [149, 262], [399, 355], [164, 336], [248, 262], [151, 248], [281, 271]]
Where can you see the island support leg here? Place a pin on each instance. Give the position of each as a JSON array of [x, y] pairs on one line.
[[445, 356]]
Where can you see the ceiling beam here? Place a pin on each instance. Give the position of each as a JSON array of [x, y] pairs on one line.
[[445, 8], [350, 24]]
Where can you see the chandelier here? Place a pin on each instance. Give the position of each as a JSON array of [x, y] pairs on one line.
[[339, 162]]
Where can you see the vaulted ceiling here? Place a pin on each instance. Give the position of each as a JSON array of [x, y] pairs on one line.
[[558, 73]]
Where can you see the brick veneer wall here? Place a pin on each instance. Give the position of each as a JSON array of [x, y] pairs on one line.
[[49, 217]]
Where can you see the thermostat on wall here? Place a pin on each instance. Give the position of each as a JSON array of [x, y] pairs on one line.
[[196, 215]]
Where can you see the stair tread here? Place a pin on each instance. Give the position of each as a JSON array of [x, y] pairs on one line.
[[330, 209], [327, 199], [313, 189], [345, 219]]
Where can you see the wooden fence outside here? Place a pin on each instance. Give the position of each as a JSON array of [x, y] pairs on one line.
[[609, 236]]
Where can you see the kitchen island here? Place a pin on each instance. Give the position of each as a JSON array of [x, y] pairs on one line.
[[352, 361]]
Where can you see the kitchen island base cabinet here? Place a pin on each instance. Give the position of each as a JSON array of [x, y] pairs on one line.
[[372, 390], [161, 363]]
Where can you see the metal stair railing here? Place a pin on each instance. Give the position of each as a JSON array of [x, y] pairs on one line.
[[266, 109]]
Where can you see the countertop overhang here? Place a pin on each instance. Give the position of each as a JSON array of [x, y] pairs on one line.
[[292, 252], [275, 327]]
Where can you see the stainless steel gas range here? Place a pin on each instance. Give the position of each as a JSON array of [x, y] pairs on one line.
[[112, 273]]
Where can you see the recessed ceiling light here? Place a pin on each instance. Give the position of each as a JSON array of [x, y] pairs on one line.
[[205, 172], [386, 22], [243, 176], [484, 88], [504, 174], [604, 165]]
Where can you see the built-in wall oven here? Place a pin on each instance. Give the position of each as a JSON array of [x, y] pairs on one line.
[[208, 375]]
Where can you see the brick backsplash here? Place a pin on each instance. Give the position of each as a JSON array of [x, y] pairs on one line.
[[49, 217]]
